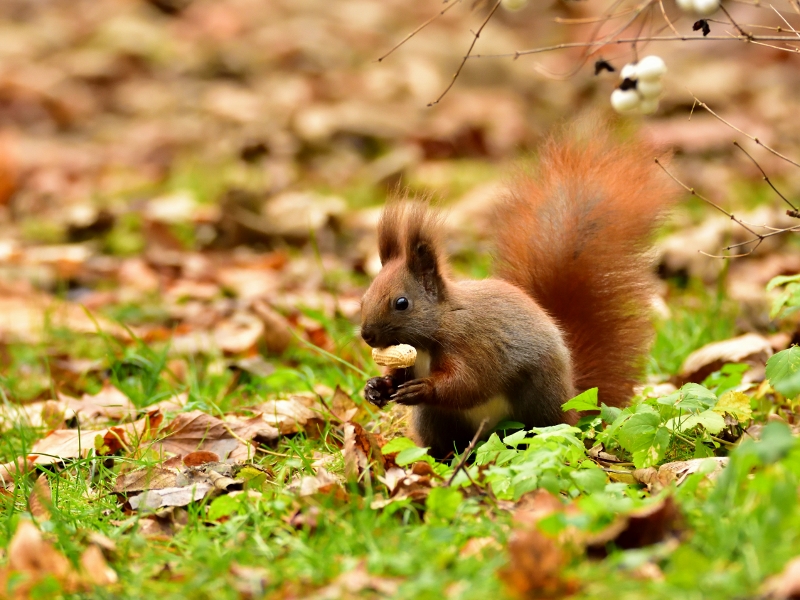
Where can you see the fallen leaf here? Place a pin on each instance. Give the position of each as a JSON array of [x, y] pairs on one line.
[[786, 584], [361, 450], [201, 457], [152, 500], [109, 404], [355, 583], [290, 415], [639, 528], [677, 471], [95, 568], [536, 565], [40, 500], [750, 348], [195, 430]]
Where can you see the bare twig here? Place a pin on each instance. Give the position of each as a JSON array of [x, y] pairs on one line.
[[789, 25], [741, 31], [468, 451], [477, 34], [764, 174], [654, 38], [666, 18], [420, 28], [752, 137], [758, 237]]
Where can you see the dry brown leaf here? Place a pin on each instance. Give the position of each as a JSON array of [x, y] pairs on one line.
[[10, 470], [108, 404], [26, 319], [193, 431], [41, 499], [639, 528], [361, 450], [786, 584], [342, 405], [201, 457], [676, 472], [49, 414], [95, 569], [151, 500], [250, 582], [31, 555], [536, 566], [321, 483], [74, 443], [355, 583], [254, 428], [147, 478], [277, 335], [750, 348]]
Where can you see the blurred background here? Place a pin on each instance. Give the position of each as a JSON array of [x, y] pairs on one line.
[[210, 171]]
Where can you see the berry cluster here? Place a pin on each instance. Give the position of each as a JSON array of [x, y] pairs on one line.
[[699, 7], [641, 86]]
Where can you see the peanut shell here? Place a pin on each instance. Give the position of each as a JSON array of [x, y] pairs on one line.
[[398, 357]]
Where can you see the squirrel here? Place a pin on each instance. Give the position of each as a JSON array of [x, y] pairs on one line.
[[568, 309]]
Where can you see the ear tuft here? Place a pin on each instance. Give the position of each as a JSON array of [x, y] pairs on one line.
[[389, 227], [423, 248]]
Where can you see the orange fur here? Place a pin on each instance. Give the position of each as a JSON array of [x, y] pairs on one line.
[[575, 234]]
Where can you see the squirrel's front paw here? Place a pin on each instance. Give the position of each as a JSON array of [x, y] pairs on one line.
[[379, 390], [415, 391]]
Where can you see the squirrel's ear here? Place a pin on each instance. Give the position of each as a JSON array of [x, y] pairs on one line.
[[422, 250], [389, 245]]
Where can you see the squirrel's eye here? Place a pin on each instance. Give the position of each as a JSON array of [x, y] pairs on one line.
[[401, 303]]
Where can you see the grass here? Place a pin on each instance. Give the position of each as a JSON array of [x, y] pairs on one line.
[[300, 544]]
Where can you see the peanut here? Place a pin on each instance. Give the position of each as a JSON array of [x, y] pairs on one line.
[[400, 356]]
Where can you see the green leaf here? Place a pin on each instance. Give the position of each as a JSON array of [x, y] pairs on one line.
[[692, 397], [515, 438], [736, 404], [783, 371], [590, 480], [584, 401], [609, 414], [711, 422], [443, 503], [411, 455], [648, 453], [224, 506], [398, 444], [639, 429], [781, 280]]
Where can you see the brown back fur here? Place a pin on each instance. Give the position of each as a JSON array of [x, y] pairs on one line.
[[575, 234]]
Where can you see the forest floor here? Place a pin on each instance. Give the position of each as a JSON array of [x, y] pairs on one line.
[[189, 192]]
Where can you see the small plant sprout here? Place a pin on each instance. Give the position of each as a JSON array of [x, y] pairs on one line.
[[699, 7], [641, 86]]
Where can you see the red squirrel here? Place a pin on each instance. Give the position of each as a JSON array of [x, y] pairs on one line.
[[568, 309]]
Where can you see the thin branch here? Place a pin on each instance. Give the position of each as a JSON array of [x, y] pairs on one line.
[[758, 237], [749, 36], [752, 137], [477, 34], [418, 29], [655, 38], [468, 451], [666, 18], [789, 25], [764, 174], [586, 20]]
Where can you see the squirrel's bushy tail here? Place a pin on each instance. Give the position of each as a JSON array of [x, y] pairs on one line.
[[575, 234]]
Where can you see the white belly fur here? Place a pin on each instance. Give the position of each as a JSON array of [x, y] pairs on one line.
[[494, 410]]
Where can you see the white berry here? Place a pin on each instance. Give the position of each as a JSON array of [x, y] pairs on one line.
[[649, 89], [651, 68], [685, 5], [628, 71], [648, 106], [625, 101], [706, 7]]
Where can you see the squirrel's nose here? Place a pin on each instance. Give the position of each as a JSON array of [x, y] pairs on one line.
[[368, 335]]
